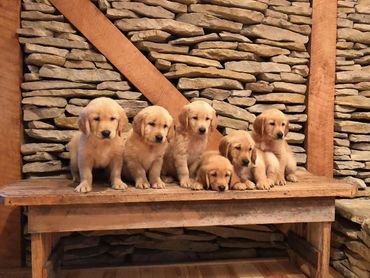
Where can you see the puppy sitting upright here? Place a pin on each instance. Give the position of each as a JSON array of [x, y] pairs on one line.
[[196, 120], [269, 131], [100, 144], [146, 145], [214, 172], [250, 164]]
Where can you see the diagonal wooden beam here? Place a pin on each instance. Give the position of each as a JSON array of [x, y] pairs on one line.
[[320, 98], [109, 40]]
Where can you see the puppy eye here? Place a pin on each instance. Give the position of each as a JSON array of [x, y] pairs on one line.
[[152, 124], [272, 124], [208, 118], [250, 148], [283, 124], [165, 126], [112, 118], [238, 148], [97, 119], [214, 174], [195, 118], [227, 175]]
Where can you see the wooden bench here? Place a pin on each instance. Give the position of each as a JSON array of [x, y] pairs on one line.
[[54, 208]]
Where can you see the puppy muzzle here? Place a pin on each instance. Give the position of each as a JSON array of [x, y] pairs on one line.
[[202, 130], [105, 134], [279, 135], [221, 188], [158, 138], [245, 162]]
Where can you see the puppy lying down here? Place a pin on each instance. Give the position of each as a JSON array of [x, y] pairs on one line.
[[214, 172], [99, 144], [250, 164]]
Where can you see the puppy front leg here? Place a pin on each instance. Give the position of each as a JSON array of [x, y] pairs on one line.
[[291, 167], [181, 165], [138, 173], [155, 174], [262, 182], [85, 166], [115, 174]]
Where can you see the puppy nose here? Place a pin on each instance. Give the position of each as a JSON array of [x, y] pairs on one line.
[[245, 162], [105, 133], [280, 135], [158, 138], [221, 188], [202, 130]]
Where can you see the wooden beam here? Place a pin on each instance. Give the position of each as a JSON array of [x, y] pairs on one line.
[[110, 41], [320, 99], [10, 129]]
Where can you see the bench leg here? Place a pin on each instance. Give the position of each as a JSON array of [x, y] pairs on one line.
[[41, 247]]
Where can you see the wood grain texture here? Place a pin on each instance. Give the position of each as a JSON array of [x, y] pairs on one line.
[[178, 214], [109, 40], [10, 128], [320, 99], [60, 191]]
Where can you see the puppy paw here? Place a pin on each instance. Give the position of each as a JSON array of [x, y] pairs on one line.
[[142, 185], [280, 182], [158, 184], [168, 179], [263, 185], [119, 185], [83, 187], [250, 185], [196, 186], [292, 178], [186, 183]]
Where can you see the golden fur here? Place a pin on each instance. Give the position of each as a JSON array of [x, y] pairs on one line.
[[250, 164], [196, 121], [214, 172], [99, 144], [269, 131], [146, 145]]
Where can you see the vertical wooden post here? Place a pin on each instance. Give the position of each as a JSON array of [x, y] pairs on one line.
[[320, 99], [10, 128], [41, 247]]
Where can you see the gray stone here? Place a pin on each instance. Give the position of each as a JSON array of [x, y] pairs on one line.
[[162, 47], [348, 165], [241, 93], [291, 78], [39, 156], [51, 135], [35, 48], [144, 10], [79, 65], [295, 138], [70, 93], [296, 10], [217, 94], [70, 36], [227, 36], [341, 142], [38, 7], [301, 69], [242, 101], [352, 127], [257, 67], [45, 101], [54, 84], [342, 157], [342, 150], [353, 101], [349, 53], [168, 25], [295, 108], [79, 101], [86, 55], [32, 148], [269, 77], [149, 35], [288, 60], [285, 24], [119, 14], [259, 87], [234, 14], [36, 15], [344, 109], [363, 8], [246, 4], [275, 14], [360, 155], [40, 59], [345, 116], [288, 87], [344, 45], [361, 115], [33, 114], [229, 110], [54, 26], [169, 5], [201, 83], [128, 95], [73, 109], [103, 65], [63, 43], [259, 108], [297, 118], [216, 44], [359, 18], [34, 32], [114, 86], [299, 46], [362, 27], [341, 135], [273, 33], [353, 35], [195, 39], [346, 92], [66, 122], [298, 19], [40, 167], [363, 61], [262, 50], [40, 125], [344, 172], [96, 75], [281, 97], [190, 60], [223, 54]]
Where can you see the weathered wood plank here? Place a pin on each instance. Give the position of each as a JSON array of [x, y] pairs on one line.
[[60, 191], [10, 129], [178, 214], [320, 99]]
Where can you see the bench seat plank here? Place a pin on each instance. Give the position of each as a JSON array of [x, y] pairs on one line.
[[60, 192]]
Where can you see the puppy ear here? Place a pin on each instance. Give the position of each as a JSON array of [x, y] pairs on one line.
[[138, 124], [254, 155], [122, 122], [171, 131], [83, 122], [224, 147], [231, 177], [202, 177], [214, 121], [184, 117], [286, 128], [259, 125]]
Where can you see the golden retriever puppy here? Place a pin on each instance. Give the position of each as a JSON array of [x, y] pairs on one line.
[[145, 147], [99, 144], [250, 164], [196, 121], [214, 172], [269, 131]]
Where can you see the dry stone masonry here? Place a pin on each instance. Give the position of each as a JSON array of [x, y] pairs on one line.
[[240, 56]]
